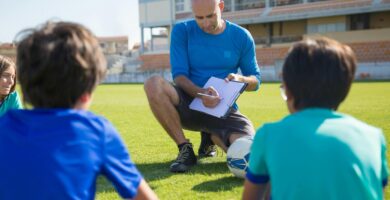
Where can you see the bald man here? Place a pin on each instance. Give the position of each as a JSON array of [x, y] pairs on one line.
[[200, 48]]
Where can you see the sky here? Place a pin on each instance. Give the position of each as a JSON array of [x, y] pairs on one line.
[[102, 17]]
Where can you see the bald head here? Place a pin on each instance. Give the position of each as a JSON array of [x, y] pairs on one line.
[[205, 1], [207, 14]]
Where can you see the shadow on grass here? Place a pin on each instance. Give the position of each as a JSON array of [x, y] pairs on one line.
[[210, 168], [159, 171], [150, 172], [104, 186], [222, 184], [155, 171]]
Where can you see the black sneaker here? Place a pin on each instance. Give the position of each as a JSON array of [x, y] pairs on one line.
[[185, 159], [207, 148]]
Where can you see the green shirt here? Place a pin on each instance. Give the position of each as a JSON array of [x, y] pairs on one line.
[[319, 154], [12, 101]]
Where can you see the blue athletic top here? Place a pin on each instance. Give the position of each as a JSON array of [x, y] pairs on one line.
[[319, 154], [199, 55], [59, 153]]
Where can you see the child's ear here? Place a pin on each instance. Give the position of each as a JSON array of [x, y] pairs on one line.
[[288, 94], [290, 101], [85, 98], [84, 101]]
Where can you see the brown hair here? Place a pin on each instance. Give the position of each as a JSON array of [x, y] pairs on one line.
[[319, 73], [57, 63], [6, 63]]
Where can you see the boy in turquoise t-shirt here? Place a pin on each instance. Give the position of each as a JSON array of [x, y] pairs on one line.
[[316, 152]]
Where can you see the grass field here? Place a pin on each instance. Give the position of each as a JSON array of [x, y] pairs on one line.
[[152, 150]]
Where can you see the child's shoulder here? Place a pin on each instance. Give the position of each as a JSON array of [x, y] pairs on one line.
[[12, 96], [359, 124], [65, 117], [90, 117], [272, 127]]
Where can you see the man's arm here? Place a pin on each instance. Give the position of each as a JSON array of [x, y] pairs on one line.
[[188, 86], [252, 81], [248, 64], [191, 89]]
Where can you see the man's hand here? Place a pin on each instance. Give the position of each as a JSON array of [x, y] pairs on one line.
[[211, 97], [252, 81], [234, 77]]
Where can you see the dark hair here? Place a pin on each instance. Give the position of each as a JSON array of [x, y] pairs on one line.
[[319, 73], [6, 63], [57, 63]]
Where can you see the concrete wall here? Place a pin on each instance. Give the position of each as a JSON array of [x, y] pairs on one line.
[[377, 71], [187, 6], [137, 77], [154, 12], [365, 71]]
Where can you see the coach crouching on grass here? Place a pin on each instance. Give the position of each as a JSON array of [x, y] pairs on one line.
[[201, 48]]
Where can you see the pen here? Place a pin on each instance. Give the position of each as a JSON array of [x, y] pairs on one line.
[[206, 95]]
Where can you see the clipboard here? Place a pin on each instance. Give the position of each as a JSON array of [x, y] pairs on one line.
[[229, 91]]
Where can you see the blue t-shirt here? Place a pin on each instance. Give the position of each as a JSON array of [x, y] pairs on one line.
[[319, 154], [59, 153], [199, 55], [12, 101]]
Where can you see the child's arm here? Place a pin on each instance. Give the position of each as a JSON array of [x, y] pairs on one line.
[[254, 191], [145, 192], [120, 170]]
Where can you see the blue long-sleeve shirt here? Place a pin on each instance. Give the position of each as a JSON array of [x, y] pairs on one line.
[[199, 55]]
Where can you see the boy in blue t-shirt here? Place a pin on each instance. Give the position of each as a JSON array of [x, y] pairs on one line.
[[316, 152], [58, 149]]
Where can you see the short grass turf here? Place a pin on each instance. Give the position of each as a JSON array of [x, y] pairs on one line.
[[126, 106]]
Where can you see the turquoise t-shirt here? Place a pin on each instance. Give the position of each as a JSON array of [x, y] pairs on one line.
[[11, 102], [319, 154]]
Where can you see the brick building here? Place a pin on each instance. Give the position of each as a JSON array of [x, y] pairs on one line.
[[276, 24]]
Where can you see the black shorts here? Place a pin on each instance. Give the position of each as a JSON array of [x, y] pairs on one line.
[[235, 122]]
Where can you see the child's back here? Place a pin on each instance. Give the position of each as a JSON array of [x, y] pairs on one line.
[[58, 149], [321, 154], [316, 152], [49, 153]]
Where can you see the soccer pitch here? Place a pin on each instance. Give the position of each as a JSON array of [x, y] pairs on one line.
[[152, 150]]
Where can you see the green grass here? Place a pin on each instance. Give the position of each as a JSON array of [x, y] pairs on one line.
[[152, 150]]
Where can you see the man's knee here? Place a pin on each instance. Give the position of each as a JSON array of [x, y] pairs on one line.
[[153, 85]]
